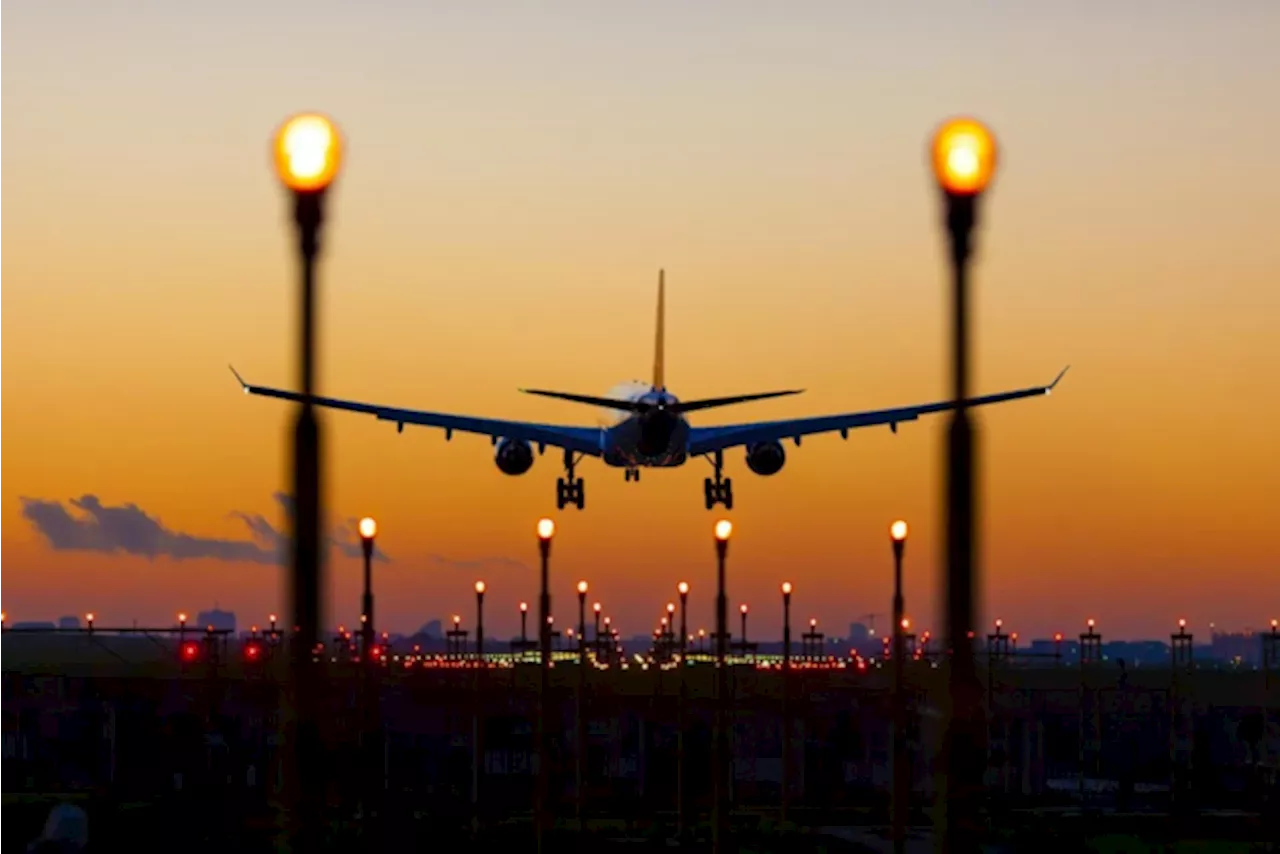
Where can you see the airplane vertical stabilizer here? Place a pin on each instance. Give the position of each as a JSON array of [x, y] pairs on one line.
[[659, 374]]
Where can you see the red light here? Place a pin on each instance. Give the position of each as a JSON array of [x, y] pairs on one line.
[[190, 651], [252, 651], [377, 652]]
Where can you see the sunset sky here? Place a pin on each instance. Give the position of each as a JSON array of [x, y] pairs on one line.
[[516, 175]]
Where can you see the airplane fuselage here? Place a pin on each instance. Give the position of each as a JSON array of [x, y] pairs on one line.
[[657, 438]]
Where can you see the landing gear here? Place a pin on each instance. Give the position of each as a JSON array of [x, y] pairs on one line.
[[631, 474], [718, 490], [570, 490]]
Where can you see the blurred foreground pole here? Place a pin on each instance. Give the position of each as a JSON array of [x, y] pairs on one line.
[[964, 158], [308, 153]]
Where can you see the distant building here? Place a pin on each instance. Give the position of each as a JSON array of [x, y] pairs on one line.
[[69, 622], [32, 625], [219, 620], [1236, 647]]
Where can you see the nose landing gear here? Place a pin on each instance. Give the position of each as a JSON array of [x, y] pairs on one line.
[[631, 474]]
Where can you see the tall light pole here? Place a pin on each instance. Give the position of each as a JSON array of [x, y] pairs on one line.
[[742, 609], [901, 781], [720, 784], [786, 698], [307, 150], [477, 749], [596, 609], [580, 752], [963, 155], [368, 530], [683, 589], [524, 623], [546, 530]]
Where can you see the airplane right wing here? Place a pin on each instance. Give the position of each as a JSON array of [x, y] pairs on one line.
[[584, 440], [705, 440]]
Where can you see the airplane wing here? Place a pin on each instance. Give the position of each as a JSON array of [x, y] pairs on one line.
[[585, 440], [704, 440]]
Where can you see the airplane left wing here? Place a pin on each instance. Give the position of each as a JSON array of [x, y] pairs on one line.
[[584, 440], [705, 440]]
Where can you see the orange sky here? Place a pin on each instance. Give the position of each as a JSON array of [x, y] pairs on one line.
[[514, 182]]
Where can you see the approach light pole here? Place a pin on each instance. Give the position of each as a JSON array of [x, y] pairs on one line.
[[307, 150], [720, 784], [580, 752], [786, 699], [368, 530], [963, 156], [480, 622], [683, 589], [901, 780], [546, 530]]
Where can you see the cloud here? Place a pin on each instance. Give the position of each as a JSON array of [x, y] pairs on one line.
[[129, 529]]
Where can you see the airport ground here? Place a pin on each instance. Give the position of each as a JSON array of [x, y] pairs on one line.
[[1096, 749]]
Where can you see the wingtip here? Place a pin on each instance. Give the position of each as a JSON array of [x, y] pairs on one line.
[[1059, 377], [239, 379]]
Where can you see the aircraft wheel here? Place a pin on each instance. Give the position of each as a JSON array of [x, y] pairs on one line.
[[582, 494], [709, 492], [728, 493], [560, 493]]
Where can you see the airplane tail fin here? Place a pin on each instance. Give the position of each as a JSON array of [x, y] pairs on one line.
[[659, 344]]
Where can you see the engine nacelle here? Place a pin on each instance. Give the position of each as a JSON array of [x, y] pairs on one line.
[[513, 456], [766, 458]]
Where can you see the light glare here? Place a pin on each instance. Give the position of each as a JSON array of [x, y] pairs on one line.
[[308, 153], [368, 528], [964, 156]]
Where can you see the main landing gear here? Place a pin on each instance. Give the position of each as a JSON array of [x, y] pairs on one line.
[[718, 490], [570, 490], [631, 474]]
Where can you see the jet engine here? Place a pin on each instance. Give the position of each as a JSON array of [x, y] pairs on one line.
[[513, 456], [766, 458]]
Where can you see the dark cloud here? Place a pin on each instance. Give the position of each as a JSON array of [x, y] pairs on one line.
[[128, 528]]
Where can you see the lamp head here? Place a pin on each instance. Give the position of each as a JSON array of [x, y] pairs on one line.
[[582, 588], [479, 587], [524, 607], [724, 529], [456, 619], [683, 587], [368, 528], [1182, 622], [596, 607], [182, 616], [898, 530], [271, 617], [964, 156], [786, 588], [89, 617], [546, 529], [906, 624], [1057, 636], [813, 621], [743, 607], [1091, 622], [999, 622], [671, 607], [308, 152]]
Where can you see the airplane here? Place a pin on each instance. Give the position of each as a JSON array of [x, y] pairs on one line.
[[648, 430]]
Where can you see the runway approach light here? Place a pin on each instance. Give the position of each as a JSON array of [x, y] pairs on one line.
[[582, 588], [724, 528], [964, 156], [898, 530], [546, 529], [368, 528], [786, 588], [683, 588], [479, 587], [308, 153]]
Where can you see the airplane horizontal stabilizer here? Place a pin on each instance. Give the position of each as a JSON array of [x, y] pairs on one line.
[[713, 402], [637, 406], [591, 400]]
